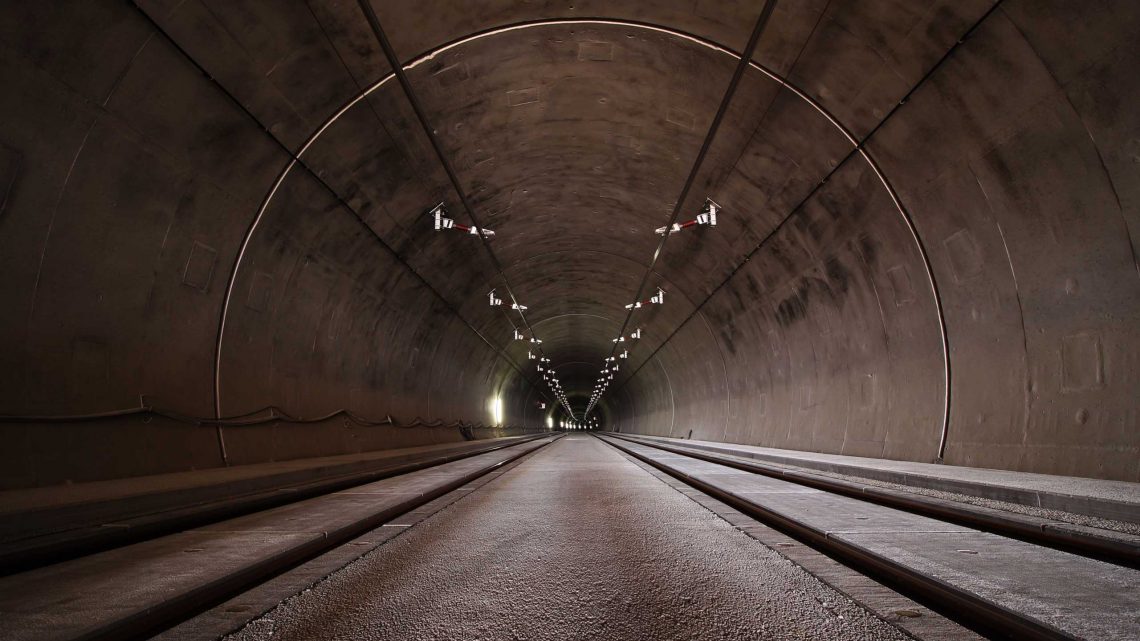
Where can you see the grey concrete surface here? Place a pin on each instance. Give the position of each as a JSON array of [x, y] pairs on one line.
[[233, 614], [576, 542], [235, 479], [33, 512], [965, 285], [96, 594], [1117, 500], [913, 617], [1082, 597]]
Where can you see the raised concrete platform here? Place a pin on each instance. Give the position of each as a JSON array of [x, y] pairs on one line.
[[142, 588], [38, 525], [1062, 595], [59, 496], [576, 542], [1118, 500]]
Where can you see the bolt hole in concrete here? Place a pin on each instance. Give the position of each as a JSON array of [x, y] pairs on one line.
[[575, 542]]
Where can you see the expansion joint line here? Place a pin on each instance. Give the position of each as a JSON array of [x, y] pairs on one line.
[[860, 149], [441, 154], [295, 160], [737, 76]]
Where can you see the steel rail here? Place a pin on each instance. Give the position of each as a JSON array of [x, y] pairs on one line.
[[184, 606], [29, 554], [964, 607], [1028, 529]]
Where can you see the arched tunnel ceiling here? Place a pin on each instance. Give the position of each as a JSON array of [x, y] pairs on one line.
[[871, 265], [573, 136]]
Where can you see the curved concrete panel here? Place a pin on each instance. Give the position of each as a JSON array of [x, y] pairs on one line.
[[214, 209]]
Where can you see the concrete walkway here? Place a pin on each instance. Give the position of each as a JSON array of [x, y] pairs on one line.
[[131, 591], [1099, 498], [576, 542]]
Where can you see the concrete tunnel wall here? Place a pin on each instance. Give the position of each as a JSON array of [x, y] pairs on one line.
[[158, 160]]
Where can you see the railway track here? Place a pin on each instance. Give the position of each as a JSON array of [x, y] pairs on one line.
[[36, 538], [1000, 574], [135, 591]]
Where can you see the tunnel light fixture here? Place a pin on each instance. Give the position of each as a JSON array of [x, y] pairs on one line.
[[496, 407], [518, 336], [545, 359], [706, 217], [441, 222], [624, 354], [517, 307], [656, 299], [708, 214], [530, 356], [635, 335], [495, 301], [536, 341]]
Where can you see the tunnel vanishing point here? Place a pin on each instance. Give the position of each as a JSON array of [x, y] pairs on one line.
[[258, 232]]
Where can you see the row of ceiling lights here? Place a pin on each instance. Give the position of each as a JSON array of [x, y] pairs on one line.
[[611, 365], [536, 354], [579, 425], [441, 221], [708, 216]]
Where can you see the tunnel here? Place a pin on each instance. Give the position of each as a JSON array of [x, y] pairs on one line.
[[238, 235]]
